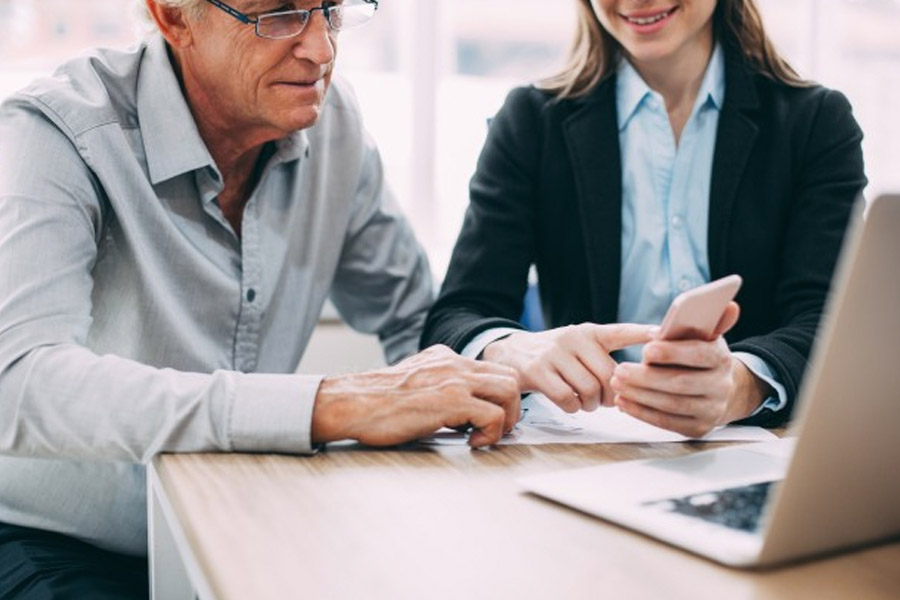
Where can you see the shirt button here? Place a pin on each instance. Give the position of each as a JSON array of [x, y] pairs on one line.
[[251, 295], [677, 222], [685, 284]]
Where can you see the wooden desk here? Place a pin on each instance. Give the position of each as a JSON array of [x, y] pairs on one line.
[[437, 523]]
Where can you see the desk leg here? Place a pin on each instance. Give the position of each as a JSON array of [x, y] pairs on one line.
[[169, 578]]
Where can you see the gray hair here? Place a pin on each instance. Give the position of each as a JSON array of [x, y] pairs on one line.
[[192, 7]]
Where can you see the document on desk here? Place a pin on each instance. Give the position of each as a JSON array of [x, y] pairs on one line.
[[545, 423]]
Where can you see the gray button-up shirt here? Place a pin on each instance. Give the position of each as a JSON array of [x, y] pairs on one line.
[[134, 321]]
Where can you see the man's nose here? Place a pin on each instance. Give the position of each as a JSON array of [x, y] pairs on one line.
[[315, 43]]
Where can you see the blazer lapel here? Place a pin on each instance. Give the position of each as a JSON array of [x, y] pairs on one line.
[[734, 142], [592, 140]]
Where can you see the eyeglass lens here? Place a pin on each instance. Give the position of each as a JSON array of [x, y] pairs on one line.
[[291, 23]]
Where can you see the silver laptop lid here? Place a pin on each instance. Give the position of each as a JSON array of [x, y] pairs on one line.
[[842, 487]]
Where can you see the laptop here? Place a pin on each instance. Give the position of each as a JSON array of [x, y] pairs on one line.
[[833, 484]]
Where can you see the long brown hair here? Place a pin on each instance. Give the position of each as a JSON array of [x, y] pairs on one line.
[[595, 53]]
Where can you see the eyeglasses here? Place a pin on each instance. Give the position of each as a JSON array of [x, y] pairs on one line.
[[289, 23]]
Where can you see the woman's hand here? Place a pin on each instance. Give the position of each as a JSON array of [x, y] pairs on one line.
[[689, 386], [570, 365]]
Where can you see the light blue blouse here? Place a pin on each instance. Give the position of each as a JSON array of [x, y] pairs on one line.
[[665, 202]]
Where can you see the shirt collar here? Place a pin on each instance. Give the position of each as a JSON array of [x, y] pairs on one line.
[[630, 92], [172, 142], [631, 89], [712, 89]]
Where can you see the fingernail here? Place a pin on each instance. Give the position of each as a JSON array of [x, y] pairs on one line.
[[654, 331]]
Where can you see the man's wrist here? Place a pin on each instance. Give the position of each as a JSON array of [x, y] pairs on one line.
[[335, 410]]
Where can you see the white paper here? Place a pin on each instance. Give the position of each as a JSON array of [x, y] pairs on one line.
[[545, 423]]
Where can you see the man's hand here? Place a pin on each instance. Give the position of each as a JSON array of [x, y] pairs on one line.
[[433, 389], [570, 365], [689, 386]]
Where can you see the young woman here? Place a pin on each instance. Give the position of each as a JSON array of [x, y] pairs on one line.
[[675, 148]]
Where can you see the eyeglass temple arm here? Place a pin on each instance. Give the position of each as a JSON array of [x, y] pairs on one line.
[[236, 13]]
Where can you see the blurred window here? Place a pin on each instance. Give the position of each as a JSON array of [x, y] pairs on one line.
[[430, 73]]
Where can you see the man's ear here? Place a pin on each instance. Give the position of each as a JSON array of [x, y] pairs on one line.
[[171, 23]]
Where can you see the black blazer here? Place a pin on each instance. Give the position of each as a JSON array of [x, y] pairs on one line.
[[547, 191]]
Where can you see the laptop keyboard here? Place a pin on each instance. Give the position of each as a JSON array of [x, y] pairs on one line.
[[738, 508]]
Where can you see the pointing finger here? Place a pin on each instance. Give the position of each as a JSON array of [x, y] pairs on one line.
[[622, 335]]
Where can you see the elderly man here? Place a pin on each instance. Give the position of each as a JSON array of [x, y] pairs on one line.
[[172, 219]]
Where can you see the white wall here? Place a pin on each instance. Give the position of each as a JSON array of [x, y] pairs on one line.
[[335, 349]]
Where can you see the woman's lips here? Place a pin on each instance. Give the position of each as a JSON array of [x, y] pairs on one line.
[[646, 22]]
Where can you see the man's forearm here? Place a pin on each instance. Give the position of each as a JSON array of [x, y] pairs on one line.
[[69, 401]]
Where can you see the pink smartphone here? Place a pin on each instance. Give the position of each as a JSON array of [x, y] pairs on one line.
[[695, 313]]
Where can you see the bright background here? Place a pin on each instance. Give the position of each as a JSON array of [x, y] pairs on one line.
[[429, 73]]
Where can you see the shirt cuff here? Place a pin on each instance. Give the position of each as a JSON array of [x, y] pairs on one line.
[[273, 413], [474, 348], [761, 369]]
